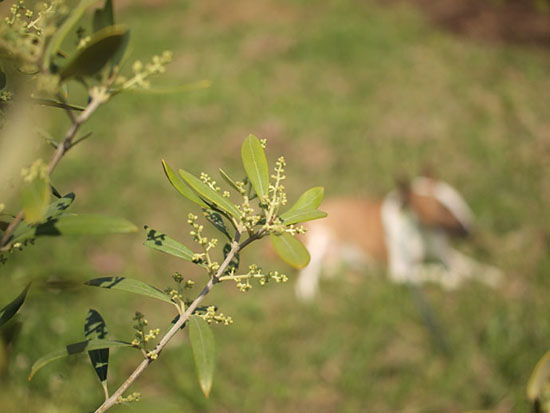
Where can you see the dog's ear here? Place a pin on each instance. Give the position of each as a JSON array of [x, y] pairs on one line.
[[428, 171], [403, 184]]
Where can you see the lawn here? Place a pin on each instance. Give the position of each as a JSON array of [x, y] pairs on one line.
[[353, 94]]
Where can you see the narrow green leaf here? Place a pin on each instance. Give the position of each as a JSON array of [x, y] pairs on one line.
[[217, 221], [98, 51], [161, 242], [303, 216], [73, 224], [228, 179], [311, 199], [11, 309], [255, 165], [95, 328], [290, 250], [209, 194], [539, 377], [55, 42], [35, 198], [75, 348], [104, 17], [56, 104], [204, 352], [129, 285], [182, 187]]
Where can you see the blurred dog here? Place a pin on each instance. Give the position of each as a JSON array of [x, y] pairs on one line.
[[409, 231]]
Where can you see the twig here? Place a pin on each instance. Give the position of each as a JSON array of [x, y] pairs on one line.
[[114, 399], [61, 149]]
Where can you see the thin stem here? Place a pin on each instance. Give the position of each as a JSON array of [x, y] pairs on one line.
[[235, 249], [61, 149]]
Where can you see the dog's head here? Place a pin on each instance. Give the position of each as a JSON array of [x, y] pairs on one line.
[[437, 205]]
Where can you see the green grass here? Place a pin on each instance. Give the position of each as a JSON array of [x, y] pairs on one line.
[[353, 95]]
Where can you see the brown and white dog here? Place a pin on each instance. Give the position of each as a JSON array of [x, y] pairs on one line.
[[409, 231]]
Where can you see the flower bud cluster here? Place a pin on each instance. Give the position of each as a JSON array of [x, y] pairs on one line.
[[206, 179], [134, 397], [143, 71], [205, 243], [141, 337], [210, 316], [243, 283]]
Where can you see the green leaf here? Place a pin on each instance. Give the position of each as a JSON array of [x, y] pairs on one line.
[[3, 80], [255, 165], [208, 194], [290, 250], [56, 208], [129, 285], [204, 352], [73, 224], [56, 104], [182, 187], [161, 242], [311, 199], [55, 42], [104, 17], [11, 309], [539, 377], [75, 348], [217, 221], [303, 216], [35, 198], [228, 179], [95, 328], [98, 51]]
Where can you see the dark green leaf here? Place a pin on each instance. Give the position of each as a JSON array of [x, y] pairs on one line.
[[129, 285], [290, 250], [182, 187], [75, 348], [34, 199], [56, 104], [11, 309], [311, 199], [55, 42], [117, 58], [3, 80], [255, 165], [56, 208], [208, 194], [95, 328], [161, 242], [303, 215], [539, 378], [98, 51], [104, 17], [204, 352], [216, 219]]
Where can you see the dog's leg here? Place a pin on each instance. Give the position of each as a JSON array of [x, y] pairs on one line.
[[462, 267], [318, 245]]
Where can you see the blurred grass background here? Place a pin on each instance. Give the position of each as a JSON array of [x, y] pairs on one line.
[[353, 94]]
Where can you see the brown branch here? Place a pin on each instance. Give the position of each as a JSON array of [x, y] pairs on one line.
[[114, 399]]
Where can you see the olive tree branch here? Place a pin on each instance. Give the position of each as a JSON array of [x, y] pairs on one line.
[[235, 249], [98, 97]]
